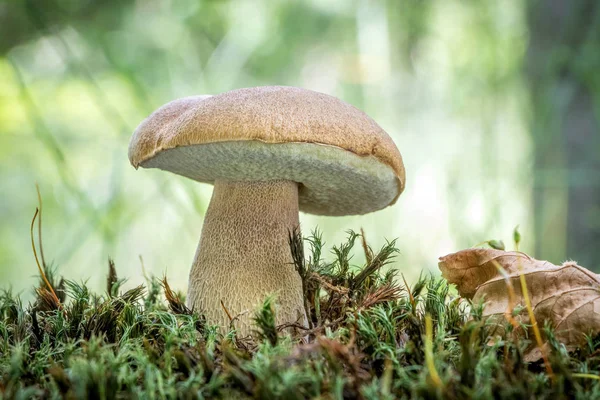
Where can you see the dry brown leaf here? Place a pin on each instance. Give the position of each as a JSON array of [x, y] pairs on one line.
[[568, 295]]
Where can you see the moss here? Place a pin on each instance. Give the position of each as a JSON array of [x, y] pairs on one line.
[[366, 339]]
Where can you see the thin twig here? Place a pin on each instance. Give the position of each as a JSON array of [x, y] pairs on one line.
[[309, 331], [338, 289], [366, 248], [226, 311], [40, 242], [38, 261]]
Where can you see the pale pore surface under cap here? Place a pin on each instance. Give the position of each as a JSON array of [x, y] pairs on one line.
[[333, 181]]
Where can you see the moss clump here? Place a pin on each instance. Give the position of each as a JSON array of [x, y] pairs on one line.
[[367, 339]]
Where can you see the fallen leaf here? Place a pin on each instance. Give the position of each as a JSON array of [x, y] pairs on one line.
[[567, 295], [470, 268]]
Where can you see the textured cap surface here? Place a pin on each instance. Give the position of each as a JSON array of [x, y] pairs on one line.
[[282, 129]]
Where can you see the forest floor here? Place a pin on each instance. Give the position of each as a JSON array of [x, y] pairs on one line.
[[371, 336]]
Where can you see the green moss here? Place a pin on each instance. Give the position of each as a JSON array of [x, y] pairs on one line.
[[366, 340]]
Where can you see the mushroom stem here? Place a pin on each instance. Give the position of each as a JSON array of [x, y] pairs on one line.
[[244, 254]]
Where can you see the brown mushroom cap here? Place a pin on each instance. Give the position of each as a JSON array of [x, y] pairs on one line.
[[345, 163]]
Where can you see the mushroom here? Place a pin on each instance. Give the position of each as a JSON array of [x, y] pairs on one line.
[[269, 152]]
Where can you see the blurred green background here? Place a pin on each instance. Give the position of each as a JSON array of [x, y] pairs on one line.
[[493, 104]]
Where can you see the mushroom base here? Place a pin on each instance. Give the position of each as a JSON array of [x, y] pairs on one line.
[[244, 254]]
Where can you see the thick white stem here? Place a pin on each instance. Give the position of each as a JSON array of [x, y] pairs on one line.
[[244, 255]]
